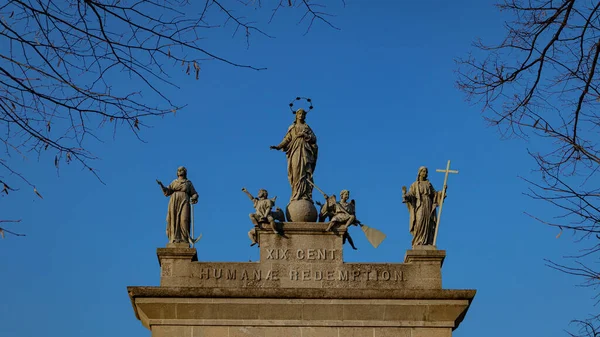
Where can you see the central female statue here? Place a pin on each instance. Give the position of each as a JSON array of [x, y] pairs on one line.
[[300, 146]]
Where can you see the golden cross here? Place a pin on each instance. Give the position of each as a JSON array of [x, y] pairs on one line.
[[439, 216]]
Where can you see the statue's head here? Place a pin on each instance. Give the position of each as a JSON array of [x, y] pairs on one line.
[[262, 193], [300, 115], [182, 172], [345, 194], [422, 175]]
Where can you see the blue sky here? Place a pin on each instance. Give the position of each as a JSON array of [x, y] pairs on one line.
[[385, 104]]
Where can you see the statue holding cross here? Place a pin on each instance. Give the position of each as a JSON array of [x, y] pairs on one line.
[[422, 199]]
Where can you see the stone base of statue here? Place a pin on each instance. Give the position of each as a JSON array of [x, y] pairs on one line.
[[300, 287], [301, 211]]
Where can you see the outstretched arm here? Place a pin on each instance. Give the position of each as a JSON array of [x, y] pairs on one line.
[[406, 196], [164, 189], [248, 193], [284, 143]]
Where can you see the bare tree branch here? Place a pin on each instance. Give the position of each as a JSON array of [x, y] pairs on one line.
[[542, 81], [62, 65], [4, 230]]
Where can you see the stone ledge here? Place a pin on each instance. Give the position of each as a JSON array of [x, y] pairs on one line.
[[302, 323], [174, 306], [299, 331], [305, 293], [308, 228]]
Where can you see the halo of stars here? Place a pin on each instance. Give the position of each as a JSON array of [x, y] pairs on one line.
[[308, 100]]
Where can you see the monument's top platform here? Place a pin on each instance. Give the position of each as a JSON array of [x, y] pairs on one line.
[[301, 256], [301, 278]]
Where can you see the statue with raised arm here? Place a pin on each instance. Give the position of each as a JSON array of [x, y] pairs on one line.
[[421, 201], [263, 206], [339, 213], [183, 194], [300, 146]]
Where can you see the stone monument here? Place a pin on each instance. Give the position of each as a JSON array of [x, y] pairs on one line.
[[301, 286]]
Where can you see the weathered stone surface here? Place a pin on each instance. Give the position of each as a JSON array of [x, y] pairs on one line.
[[425, 255], [287, 274], [303, 236], [194, 292], [300, 287], [301, 211], [222, 331], [301, 312]]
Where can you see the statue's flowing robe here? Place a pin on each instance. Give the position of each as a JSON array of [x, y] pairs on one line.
[[343, 210], [301, 159], [263, 208], [179, 212], [421, 200]]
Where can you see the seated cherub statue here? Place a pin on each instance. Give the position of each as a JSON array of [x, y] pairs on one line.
[[263, 206]]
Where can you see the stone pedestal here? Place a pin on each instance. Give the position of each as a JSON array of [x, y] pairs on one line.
[[300, 287]]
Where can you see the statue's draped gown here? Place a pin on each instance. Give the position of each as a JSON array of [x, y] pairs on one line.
[[263, 208], [343, 210], [179, 212], [421, 200], [301, 159]]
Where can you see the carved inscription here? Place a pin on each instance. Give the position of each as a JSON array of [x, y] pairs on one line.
[[302, 275], [303, 265], [234, 274], [277, 254], [346, 275], [302, 254], [316, 254]]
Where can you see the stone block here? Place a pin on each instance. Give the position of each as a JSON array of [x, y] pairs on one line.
[[320, 332], [407, 312], [363, 312], [425, 255], [279, 311], [242, 331], [236, 311], [209, 331], [393, 332], [171, 331], [356, 332], [330, 312], [431, 332], [194, 311], [284, 332], [301, 242]]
